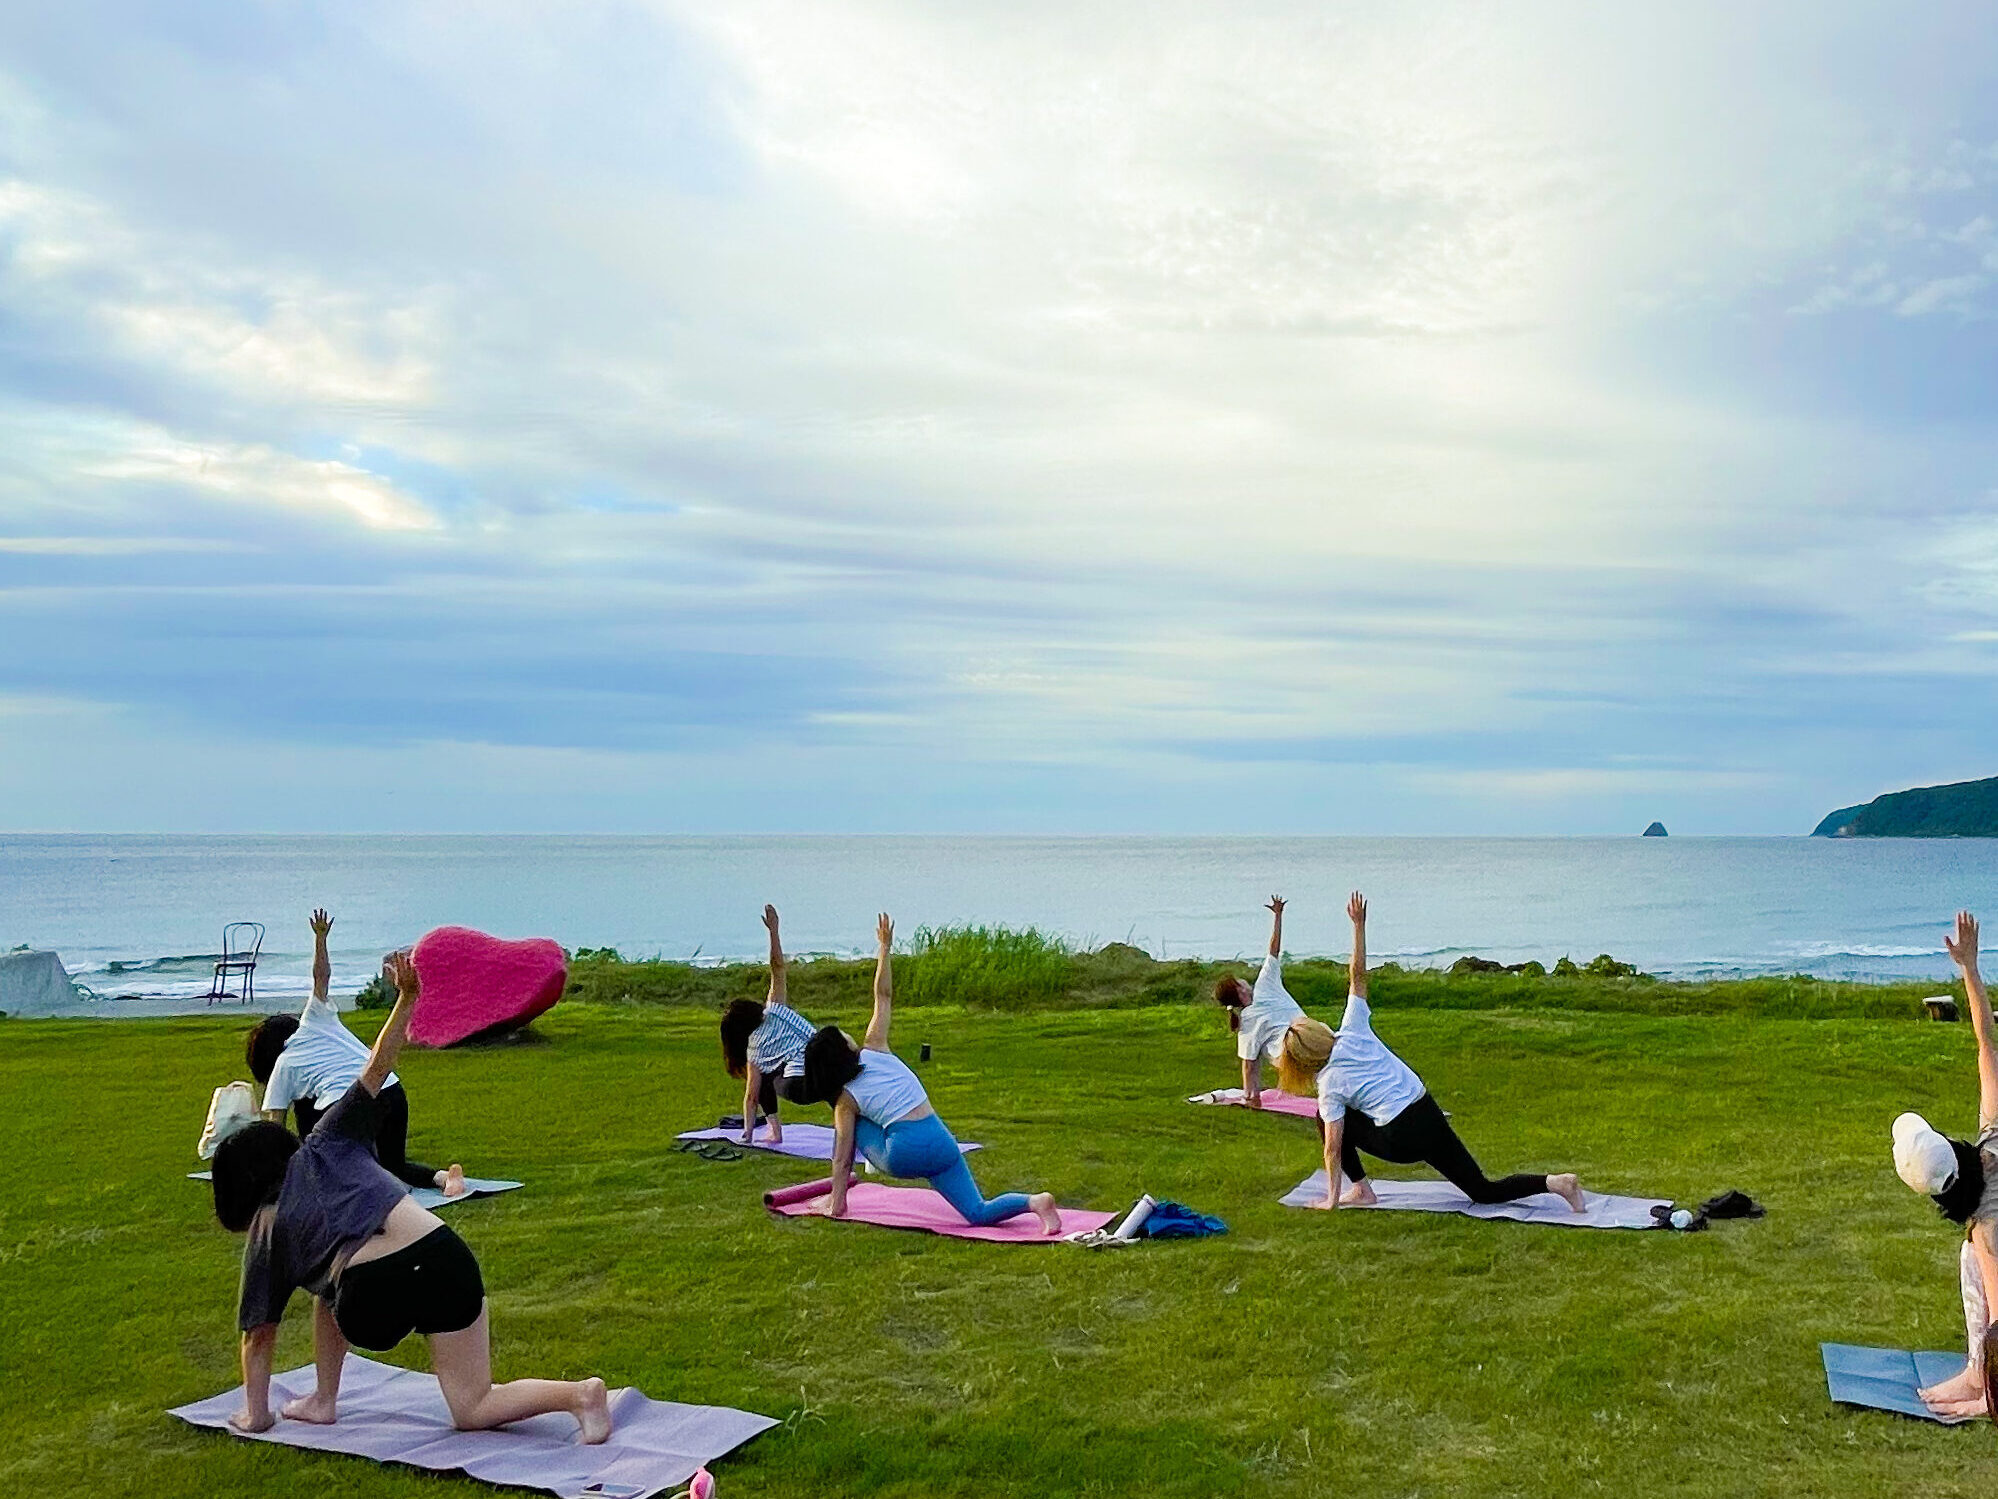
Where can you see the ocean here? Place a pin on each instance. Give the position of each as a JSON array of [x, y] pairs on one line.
[[141, 914]]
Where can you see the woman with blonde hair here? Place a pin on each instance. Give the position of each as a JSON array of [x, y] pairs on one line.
[[1370, 1100]]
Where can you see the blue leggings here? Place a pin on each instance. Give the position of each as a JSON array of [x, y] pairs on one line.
[[924, 1148]]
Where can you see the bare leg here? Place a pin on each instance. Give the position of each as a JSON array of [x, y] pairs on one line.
[[329, 1355], [463, 1363], [1964, 1394]]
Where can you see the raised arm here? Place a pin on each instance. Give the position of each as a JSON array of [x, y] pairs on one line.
[[1275, 907], [388, 1044], [322, 965], [884, 985], [1962, 947], [777, 985], [1356, 912]]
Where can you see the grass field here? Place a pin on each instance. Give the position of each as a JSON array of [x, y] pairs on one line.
[[1303, 1353]]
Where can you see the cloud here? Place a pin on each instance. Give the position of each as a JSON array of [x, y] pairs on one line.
[[1100, 408]]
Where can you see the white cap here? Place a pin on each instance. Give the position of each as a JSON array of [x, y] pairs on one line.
[[1923, 1156]]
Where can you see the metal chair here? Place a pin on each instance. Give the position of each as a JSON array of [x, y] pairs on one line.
[[241, 942]]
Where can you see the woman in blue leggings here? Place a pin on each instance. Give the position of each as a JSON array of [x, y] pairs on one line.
[[880, 1107]]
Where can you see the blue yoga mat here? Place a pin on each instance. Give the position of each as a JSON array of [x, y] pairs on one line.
[[1886, 1379]]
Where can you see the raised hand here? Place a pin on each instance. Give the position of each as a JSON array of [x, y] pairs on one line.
[[884, 930], [321, 922], [401, 970], [1356, 909], [1962, 943], [1274, 905], [770, 919]]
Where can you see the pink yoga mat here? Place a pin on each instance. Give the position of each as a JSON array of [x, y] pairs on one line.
[[919, 1207], [1274, 1101]]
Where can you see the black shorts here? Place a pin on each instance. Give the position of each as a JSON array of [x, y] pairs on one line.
[[432, 1286]]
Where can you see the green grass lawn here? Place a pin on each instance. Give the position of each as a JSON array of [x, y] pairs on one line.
[[1304, 1353]]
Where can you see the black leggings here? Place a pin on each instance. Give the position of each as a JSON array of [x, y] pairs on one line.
[[430, 1286], [1421, 1133], [391, 1135], [776, 1086]]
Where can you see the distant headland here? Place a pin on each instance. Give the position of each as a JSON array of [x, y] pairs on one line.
[[1964, 809]]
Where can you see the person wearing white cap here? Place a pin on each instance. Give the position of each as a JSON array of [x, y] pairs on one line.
[[1958, 1175]]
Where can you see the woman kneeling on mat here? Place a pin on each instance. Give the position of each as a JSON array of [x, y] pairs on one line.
[[764, 1044], [1960, 1175], [880, 1105], [1370, 1100], [1260, 1016], [322, 1214]]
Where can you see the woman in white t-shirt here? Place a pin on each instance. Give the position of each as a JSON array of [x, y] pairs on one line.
[[306, 1065], [1370, 1100], [1259, 1015], [1961, 1177], [881, 1109]]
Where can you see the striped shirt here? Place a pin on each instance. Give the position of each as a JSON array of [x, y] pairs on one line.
[[777, 1046]]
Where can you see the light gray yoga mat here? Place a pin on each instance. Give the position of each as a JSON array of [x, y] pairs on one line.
[[1887, 1379], [1604, 1211], [398, 1416], [427, 1197]]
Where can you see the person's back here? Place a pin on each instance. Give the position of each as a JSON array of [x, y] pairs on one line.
[[318, 1064], [886, 1089], [1362, 1073]]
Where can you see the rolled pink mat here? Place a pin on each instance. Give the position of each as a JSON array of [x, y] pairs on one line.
[[784, 1197], [474, 983]]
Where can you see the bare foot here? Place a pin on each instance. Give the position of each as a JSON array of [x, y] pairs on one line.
[[454, 1181], [1969, 1385], [1360, 1195], [593, 1411], [1973, 1407], [1568, 1188], [1043, 1204], [310, 1408]]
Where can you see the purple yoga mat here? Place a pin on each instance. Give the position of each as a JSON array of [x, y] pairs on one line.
[[803, 1142], [1275, 1101], [919, 1207], [399, 1416]]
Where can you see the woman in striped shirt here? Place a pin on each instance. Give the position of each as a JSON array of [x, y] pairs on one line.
[[764, 1045]]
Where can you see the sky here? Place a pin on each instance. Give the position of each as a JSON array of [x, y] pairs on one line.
[[827, 417]]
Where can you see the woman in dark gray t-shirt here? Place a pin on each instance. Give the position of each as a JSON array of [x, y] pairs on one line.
[[324, 1216]]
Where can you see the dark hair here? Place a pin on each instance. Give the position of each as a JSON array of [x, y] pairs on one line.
[[262, 1045], [831, 1062], [1229, 996], [739, 1020], [249, 1169], [1961, 1197]]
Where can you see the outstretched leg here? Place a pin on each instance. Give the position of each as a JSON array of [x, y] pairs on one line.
[[1440, 1148], [463, 1364], [392, 1147], [960, 1190]]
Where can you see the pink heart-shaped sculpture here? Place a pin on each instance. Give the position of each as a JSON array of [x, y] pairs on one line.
[[474, 983]]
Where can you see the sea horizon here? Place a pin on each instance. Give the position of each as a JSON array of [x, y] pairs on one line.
[[140, 914]]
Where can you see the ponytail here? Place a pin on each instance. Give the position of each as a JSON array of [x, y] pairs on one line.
[[1228, 994]]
